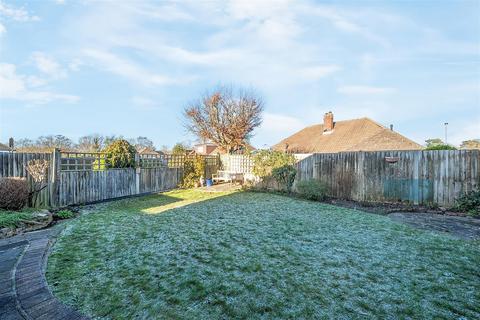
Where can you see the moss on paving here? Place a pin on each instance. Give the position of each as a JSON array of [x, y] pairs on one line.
[[254, 255], [13, 219]]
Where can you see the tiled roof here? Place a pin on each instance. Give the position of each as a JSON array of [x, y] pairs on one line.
[[350, 135]]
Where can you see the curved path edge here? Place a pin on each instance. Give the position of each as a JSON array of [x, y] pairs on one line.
[[24, 292]]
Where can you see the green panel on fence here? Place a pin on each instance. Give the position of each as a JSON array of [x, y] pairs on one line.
[[410, 190]]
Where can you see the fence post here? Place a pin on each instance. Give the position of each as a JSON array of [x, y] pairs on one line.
[[137, 173], [55, 176]]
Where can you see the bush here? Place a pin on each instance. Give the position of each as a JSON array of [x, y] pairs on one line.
[[265, 161], [285, 175], [469, 202], [14, 193], [312, 189], [120, 154], [193, 169], [441, 147], [65, 214]]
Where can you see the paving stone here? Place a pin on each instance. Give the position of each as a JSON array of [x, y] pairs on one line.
[[26, 295], [8, 246], [9, 311], [35, 300], [4, 275], [51, 307], [6, 288], [8, 293]]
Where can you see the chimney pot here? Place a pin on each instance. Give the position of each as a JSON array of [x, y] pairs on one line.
[[328, 121]]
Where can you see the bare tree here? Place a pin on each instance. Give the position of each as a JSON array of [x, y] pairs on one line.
[[225, 117], [143, 142], [38, 171], [91, 143], [57, 141]]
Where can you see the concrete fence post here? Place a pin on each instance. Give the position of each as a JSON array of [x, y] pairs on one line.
[[137, 173]]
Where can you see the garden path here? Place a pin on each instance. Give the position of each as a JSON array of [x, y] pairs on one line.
[[24, 293]]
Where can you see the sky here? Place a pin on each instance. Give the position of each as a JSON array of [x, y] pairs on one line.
[[130, 67]]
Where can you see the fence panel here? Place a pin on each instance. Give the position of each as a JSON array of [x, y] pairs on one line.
[[419, 177], [80, 187], [159, 179], [14, 164]]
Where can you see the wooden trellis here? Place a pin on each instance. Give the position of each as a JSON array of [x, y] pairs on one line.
[[82, 161]]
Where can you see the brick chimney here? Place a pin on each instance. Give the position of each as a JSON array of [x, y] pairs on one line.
[[328, 122]]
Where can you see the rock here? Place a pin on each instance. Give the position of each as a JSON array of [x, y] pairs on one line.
[[43, 213], [6, 233]]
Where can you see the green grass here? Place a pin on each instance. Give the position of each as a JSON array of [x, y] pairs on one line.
[[193, 255], [65, 214], [13, 219]]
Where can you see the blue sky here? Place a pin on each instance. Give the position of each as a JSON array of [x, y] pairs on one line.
[[129, 67]]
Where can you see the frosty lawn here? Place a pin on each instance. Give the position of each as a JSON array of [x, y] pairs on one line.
[[194, 255]]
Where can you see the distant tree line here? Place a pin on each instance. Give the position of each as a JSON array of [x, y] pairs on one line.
[[88, 143], [438, 144]]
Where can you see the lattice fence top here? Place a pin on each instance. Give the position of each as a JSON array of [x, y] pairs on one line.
[[82, 161], [91, 161], [237, 163]]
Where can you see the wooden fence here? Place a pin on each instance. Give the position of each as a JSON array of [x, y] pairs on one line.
[[419, 177], [79, 178]]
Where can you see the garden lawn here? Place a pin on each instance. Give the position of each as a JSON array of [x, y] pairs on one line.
[[194, 255]]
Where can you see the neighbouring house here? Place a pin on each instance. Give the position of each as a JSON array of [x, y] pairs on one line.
[[209, 148], [332, 136], [4, 148], [205, 148], [146, 152]]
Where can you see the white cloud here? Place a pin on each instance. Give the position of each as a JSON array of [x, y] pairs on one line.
[[2, 29], [11, 85], [160, 11], [358, 90], [17, 14], [128, 69], [345, 21], [48, 65], [144, 104], [75, 64], [249, 43], [317, 72], [19, 87]]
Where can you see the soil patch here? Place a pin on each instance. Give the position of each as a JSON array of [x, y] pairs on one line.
[[460, 227]]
